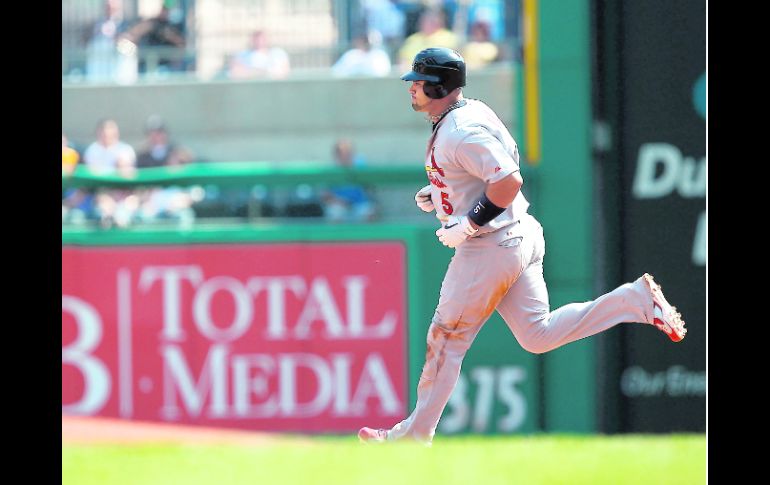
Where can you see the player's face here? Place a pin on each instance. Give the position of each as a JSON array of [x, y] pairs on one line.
[[420, 100]]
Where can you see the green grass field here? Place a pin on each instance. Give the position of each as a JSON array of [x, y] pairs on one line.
[[540, 459]]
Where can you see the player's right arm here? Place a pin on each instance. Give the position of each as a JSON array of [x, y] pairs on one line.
[[484, 156], [502, 192]]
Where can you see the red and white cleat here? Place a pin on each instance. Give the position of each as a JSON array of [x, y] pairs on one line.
[[666, 318], [369, 435]]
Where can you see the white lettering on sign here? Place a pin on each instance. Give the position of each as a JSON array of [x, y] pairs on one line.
[[79, 354], [178, 379], [288, 403], [660, 170], [320, 306], [341, 363], [172, 277], [375, 382], [492, 384], [252, 374], [357, 328], [202, 308], [316, 297], [245, 386], [203, 371], [676, 381], [508, 381], [276, 302], [686, 175]]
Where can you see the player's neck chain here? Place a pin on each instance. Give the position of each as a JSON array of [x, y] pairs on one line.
[[457, 104]]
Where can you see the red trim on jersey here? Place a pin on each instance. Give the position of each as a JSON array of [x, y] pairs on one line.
[[433, 162], [436, 181]]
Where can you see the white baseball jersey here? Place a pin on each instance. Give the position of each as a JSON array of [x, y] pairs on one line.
[[469, 149]]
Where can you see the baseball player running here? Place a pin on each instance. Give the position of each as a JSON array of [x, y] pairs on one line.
[[472, 164]]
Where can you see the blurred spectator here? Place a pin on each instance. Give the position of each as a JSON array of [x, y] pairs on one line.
[[348, 203], [163, 203], [432, 33], [109, 154], [384, 17], [69, 156], [158, 150], [260, 60], [116, 207], [463, 13], [492, 12], [364, 59], [480, 50], [105, 61], [77, 205], [159, 41], [167, 204]]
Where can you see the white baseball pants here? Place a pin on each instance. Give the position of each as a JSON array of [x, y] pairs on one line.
[[503, 271]]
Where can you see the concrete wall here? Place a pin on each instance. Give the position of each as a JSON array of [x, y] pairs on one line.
[[295, 119]]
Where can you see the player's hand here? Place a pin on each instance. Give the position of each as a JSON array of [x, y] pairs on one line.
[[455, 231], [424, 202]]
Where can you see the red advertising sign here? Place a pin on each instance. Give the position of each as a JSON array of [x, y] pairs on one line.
[[286, 337]]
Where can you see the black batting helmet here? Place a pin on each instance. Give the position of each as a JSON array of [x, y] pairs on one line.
[[442, 69]]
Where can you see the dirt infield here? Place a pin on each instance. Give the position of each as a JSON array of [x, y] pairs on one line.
[[92, 430]]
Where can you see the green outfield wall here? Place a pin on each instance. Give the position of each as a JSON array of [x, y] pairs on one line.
[[564, 198], [501, 386]]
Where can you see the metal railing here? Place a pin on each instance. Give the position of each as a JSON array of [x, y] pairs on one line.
[[258, 192], [240, 192]]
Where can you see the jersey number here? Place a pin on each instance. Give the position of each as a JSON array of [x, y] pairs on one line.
[[448, 209]]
